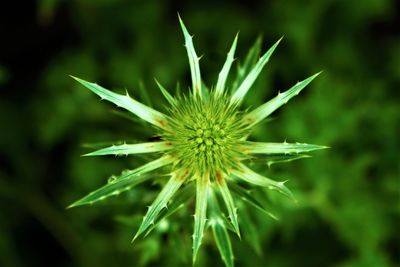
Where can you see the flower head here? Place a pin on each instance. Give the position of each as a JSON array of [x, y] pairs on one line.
[[203, 142], [206, 134]]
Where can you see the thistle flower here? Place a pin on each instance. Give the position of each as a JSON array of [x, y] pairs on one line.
[[203, 143]]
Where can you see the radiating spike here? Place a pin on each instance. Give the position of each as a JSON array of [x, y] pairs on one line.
[[179, 200], [263, 111], [124, 182], [246, 174], [219, 227], [244, 87], [230, 205], [152, 165], [279, 148], [223, 241], [111, 189], [202, 188], [223, 75], [249, 62], [125, 101], [193, 60], [166, 94], [161, 201], [250, 231], [248, 198], [128, 149], [282, 158]]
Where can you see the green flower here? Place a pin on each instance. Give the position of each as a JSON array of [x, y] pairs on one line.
[[203, 142]]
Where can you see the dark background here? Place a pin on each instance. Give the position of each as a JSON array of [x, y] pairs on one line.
[[348, 211]]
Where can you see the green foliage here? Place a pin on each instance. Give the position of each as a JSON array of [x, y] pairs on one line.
[[347, 209], [220, 231]]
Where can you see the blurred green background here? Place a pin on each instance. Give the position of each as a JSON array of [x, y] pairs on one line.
[[349, 206]]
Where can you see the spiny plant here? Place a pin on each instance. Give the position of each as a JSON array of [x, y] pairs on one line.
[[203, 143]]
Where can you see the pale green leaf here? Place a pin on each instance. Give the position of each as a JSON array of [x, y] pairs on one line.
[[246, 174], [128, 149], [205, 91], [222, 239], [248, 198], [248, 64], [180, 199], [202, 188], [193, 60], [126, 181], [250, 231], [97, 145], [223, 75], [161, 201], [267, 108], [166, 94], [230, 205], [244, 87], [220, 232], [144, 94], [129, 117], [178, 90], [279, 148], [282, 158], [152, 165], [125, 101]]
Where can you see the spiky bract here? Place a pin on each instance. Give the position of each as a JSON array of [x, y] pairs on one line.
[[203, 143]]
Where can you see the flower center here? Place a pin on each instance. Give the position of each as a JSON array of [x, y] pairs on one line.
[[205, 134], [208, 137]]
